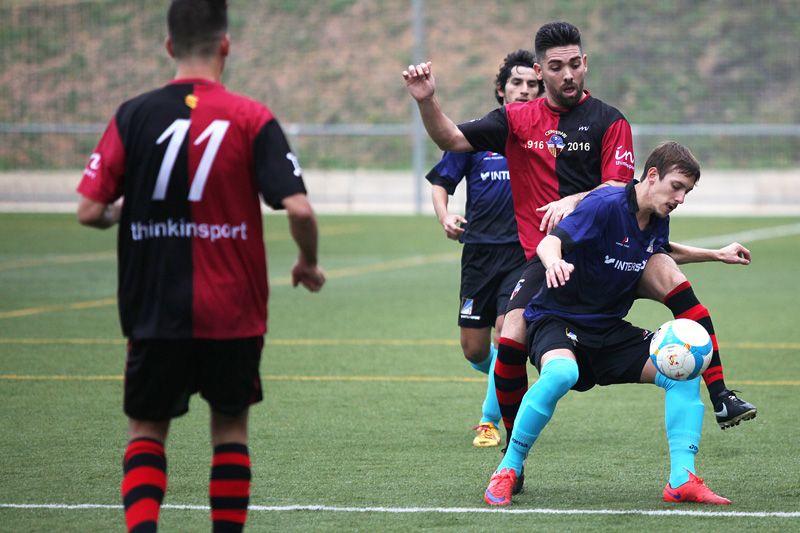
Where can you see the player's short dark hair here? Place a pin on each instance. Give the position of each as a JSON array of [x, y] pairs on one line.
[[520, 58], [197, 26], [672, 157], [555, 34]]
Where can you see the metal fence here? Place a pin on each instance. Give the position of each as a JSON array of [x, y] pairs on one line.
[[720, 75]]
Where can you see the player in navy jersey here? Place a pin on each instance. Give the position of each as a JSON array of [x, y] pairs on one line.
[[492, 257], [189, 160], [559, 148], [594, 259]]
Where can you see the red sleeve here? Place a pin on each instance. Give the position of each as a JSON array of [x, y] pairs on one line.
[[102, 177], [618, 162]]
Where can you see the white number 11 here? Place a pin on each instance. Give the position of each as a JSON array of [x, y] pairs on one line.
[[176, 132]]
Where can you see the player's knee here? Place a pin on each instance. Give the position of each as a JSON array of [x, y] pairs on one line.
[[560, 373], [475, 351], [514, 326], [661, 275]]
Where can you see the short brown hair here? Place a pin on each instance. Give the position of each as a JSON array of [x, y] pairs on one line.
[[672, 157]]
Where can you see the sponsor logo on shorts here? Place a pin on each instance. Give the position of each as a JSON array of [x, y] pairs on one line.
[[571, 336], [466, 306], [517, 288]]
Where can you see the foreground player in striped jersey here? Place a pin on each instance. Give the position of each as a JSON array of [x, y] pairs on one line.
[[558, 148], [492, 258], [189, 160]]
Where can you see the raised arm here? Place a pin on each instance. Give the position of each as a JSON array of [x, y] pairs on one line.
[[421, 86]]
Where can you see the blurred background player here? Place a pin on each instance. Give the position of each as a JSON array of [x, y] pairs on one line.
[[189, 160], [559, 148], [492, 258], [578, 337]]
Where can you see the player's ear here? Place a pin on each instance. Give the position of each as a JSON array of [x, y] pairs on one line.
[[168, 46], [652, 175], [225, 45]]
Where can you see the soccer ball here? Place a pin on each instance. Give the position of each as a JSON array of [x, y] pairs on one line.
[[681, 349]]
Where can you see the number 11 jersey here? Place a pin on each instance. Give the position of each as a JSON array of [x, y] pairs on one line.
[[189, 161]]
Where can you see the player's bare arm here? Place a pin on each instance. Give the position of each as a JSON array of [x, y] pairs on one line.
[[555, 211], [303, 226], [421, 86], [558, 270], [451, 223], [732, 254], [98, 214]]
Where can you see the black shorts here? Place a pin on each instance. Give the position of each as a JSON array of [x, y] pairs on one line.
[[489, 273], [605, 357], [529, 283], [161, 375]]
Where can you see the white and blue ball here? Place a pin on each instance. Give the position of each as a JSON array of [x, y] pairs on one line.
[[681, 349]]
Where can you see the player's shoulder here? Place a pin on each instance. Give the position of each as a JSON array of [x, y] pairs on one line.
[[602, 109]]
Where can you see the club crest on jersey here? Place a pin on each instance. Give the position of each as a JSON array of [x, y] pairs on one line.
[[555, 144]]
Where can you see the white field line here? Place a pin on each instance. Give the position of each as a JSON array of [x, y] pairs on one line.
[[761, 234], [441, 510]]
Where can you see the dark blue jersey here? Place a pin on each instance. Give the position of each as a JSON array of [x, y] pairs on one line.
[[490, 208], [603, 240]]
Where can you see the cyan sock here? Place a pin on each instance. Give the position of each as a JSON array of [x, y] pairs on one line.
[[683, 418], [491, 407], [538, 405]]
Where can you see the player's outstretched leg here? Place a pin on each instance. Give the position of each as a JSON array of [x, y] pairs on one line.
[[728, 408], [488, 434], [556, 378], [683, 417], [144, 483]]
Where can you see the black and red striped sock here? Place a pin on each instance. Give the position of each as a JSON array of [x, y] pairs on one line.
[[684, 304], [229, 487], [510, 379], [143, 484]]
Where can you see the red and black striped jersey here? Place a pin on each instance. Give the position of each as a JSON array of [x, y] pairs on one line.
[[553, 153], [189, 160]]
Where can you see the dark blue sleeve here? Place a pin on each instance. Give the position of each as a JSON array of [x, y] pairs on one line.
[[586, 223], [449, 172]]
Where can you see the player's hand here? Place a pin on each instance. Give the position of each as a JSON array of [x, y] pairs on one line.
[[555, 211], [419, 81], [452, 226], [557, 274], [310, 277], [734, 254]]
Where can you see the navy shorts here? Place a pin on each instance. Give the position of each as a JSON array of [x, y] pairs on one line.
[[607, 356], [161, 375], [529, 283], [489, 273]]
